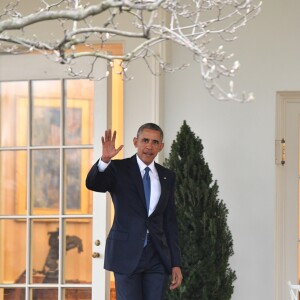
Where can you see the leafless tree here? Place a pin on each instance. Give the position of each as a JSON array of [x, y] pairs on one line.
[[201, 26]]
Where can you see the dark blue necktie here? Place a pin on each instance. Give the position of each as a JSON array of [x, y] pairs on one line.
[[147, 191], [147, 187]]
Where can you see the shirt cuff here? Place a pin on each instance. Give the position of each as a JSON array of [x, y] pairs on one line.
[[102, 165]]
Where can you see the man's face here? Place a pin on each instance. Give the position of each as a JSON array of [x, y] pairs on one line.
[[148, 144]]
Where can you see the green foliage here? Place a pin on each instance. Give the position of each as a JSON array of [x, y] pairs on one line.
[[205, 239]]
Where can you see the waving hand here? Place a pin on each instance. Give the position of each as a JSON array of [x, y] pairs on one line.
[[108, 146]]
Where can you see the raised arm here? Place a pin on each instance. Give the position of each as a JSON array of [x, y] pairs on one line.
[[99, 181]]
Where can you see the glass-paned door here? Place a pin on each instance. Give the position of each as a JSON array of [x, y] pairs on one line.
[[46, 213]]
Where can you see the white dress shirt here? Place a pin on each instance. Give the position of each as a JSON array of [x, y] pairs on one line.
[[155, 184]]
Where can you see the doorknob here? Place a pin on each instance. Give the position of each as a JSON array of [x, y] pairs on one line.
[[97, 243], [96, 255]]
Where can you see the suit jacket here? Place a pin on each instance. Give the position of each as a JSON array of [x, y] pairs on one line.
[[125, 241]]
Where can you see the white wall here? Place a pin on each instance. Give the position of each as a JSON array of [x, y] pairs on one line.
[[239, 138]]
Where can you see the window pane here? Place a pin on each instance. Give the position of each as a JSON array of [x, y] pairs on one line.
[[44, 294], [46, 113], [80, 294], [45, 248], [78, 248], [13, 166], [45, 181], [12, 294], [79, 112], [12, 251], [78, 199], [13, 113]]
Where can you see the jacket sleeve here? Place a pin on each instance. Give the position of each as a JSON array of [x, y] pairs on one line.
[[171, 230], [100, 181]]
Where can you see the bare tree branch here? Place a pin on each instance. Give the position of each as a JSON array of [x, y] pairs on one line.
[[201, 26]]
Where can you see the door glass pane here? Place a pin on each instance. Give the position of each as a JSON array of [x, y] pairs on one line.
[[12, 251], [78, 249], [46, 112], [44, 294], [77, 198], [12, 293], [45, 251], [79, 112], [78, 294], [13, 168], [45, 181], [13, 114]]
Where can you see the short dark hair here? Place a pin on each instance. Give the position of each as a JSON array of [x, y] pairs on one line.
[[151, 126]]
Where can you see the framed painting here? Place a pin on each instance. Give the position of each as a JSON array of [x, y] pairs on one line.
[[58, 163]]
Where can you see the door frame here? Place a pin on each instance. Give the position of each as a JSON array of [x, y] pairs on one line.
[[283, 99], [101, 209]]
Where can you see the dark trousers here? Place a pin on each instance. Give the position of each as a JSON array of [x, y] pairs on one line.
[[147, 282]]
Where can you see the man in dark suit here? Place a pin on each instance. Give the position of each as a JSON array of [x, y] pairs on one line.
[[142, 245]]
